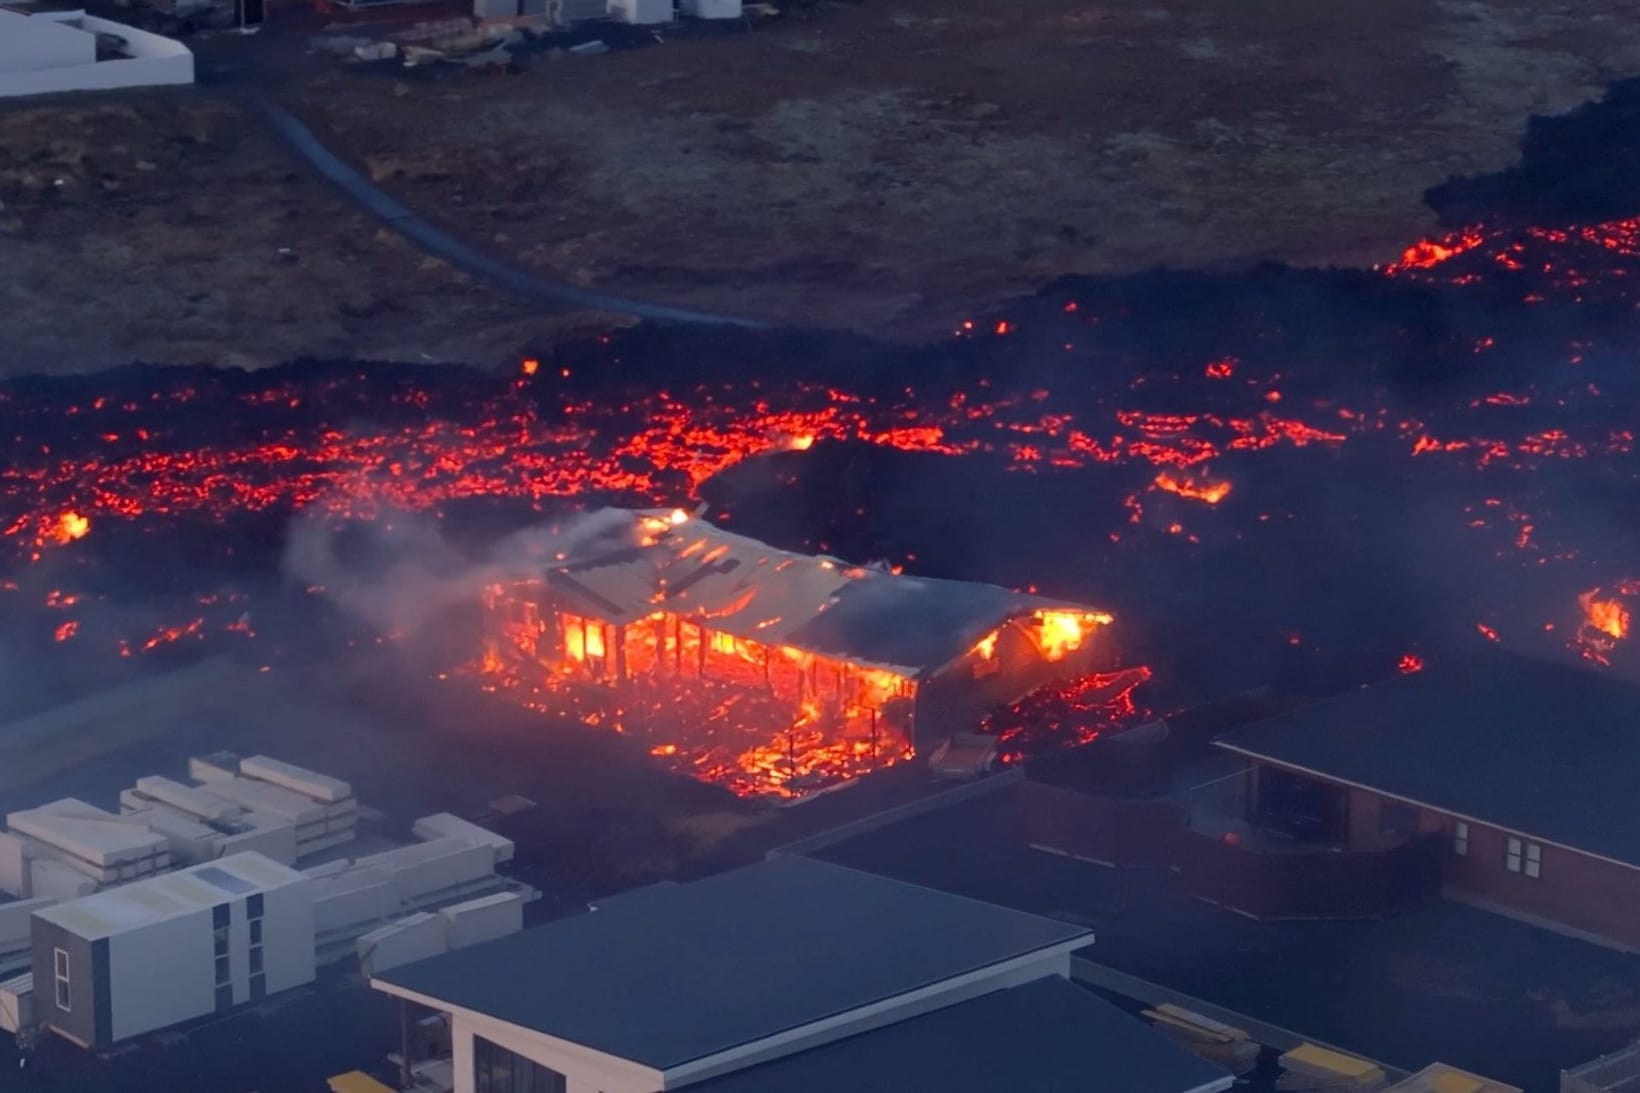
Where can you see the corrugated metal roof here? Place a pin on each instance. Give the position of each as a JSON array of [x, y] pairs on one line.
[[740, 586]]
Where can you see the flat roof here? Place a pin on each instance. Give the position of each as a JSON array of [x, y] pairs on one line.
[[1542, 749], [144, 902], [1046, 1036], [642, 561], [686, 972]]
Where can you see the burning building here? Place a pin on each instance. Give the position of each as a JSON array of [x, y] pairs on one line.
[[768, 670]]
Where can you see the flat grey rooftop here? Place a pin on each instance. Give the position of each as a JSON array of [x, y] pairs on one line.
[[686, 972], [1545, 749], [1047, 1036]]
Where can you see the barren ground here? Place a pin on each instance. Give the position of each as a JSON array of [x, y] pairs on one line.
[[887, 166]]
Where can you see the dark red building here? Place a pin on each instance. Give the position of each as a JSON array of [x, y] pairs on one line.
[[1526, 771]]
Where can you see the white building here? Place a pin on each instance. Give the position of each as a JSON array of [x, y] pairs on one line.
[[792, 976], [50, 51], [171, 948]]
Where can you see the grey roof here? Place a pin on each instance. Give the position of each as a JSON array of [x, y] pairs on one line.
[[912, 620], [1047, 1036], [724, 961], [1538, 748], [640, 561]]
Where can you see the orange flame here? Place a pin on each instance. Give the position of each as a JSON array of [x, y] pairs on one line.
[[1060, 633], [70, 526], [1210, 492], [1410, 662], [1606, 621]]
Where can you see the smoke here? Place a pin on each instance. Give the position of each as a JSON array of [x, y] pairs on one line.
[[399, 573]]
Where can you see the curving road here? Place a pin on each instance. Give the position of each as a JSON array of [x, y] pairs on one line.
[[441, 244]]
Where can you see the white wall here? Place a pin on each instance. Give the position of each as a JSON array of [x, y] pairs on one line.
[[165, 972], [154, 60], [287, 936], [587, 1071], [29, 43], [161, 974]]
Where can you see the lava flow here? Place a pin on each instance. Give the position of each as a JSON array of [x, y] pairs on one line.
[[1370, 481]]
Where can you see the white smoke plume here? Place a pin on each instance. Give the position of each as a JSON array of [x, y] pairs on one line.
[[398, 573]]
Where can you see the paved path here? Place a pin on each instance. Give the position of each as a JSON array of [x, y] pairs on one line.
[[441, 244]]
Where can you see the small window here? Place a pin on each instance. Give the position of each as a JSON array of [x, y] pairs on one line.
[[259, 987], [219, 939], [256, 931], [253, 906], [1512, 855], [1460, 839], [223, 977], [59, 972], [1534, 860], [219, 916], [256, 960], [224, 998]]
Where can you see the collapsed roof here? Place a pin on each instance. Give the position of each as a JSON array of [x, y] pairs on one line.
[[659, 561]]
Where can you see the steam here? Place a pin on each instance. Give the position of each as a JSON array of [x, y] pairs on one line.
[[400, 572]]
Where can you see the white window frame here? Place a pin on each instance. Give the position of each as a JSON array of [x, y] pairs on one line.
[[59, 976], [1460, 839], [1524, 857]]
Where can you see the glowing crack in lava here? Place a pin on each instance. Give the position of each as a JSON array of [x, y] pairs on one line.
[[763, 670]]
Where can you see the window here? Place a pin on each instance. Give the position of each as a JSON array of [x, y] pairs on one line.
[[256, 960], [224, 998], [253, 906], [256, 931], [219, 940], [219, 916], [497, 1070], [259, 987], [1460, 839], [223, 978], [1523, 857], [59, 975]]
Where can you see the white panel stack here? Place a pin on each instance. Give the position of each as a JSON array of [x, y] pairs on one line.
[[189, 800], [90, 841], [17, 1003], [54, 880], [190, 842], [14, 879], [484, 919], [414, 937], [444, 825]]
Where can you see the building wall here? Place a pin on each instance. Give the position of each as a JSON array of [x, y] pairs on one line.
[[288, 935], [161, 974], [586, 1071], [30, 43], [85, 1020], [1574, 891], [1583, 894]]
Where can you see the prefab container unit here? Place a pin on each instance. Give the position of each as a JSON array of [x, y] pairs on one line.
[[443, 824], [146, 955], [642, 12], [711, 9], [414, 937]]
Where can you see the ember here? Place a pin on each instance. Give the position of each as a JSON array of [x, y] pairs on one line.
[[1605, 622]]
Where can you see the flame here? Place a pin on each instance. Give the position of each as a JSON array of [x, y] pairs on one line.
[[1409, 663], [1060, 633], [66, 630], [70, 526], [1606, 620], [1210, 492], [530, 366], [986, 649]]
